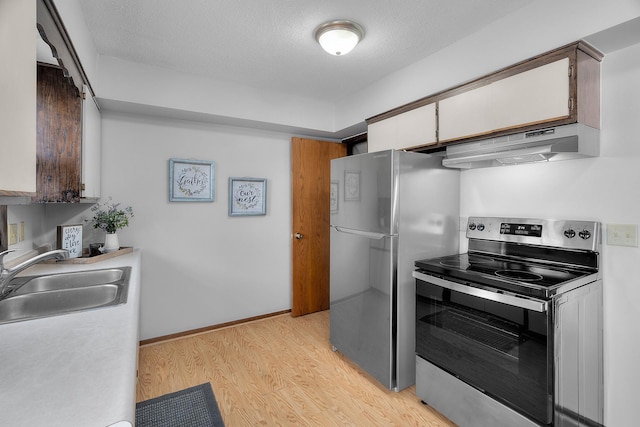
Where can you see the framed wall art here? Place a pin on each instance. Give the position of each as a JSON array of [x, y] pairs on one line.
[[191, 180], [247, 196], [351, 185]]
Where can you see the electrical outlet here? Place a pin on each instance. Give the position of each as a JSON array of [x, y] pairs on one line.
[[622, 235], [13, 234], [21, 232]]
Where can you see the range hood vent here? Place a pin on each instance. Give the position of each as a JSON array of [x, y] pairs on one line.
[[565, 142]]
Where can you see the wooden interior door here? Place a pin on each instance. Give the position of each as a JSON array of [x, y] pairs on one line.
[[311, 181]]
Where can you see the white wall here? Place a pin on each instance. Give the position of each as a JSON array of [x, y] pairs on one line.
[[602, 189], [540, 27], [200, 267]]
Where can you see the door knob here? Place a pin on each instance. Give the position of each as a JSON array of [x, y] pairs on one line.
[[298, 236]]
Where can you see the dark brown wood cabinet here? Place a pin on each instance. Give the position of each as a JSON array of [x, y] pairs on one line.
[[58, 138]]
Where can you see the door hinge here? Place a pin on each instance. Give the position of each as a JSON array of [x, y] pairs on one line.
[[571, 104], [570, 70]]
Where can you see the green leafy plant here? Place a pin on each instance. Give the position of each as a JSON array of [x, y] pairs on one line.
[[109, 217]]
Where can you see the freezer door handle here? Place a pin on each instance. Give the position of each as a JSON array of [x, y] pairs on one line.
[[367, 234]]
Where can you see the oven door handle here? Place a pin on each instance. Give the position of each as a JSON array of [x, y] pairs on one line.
[[505, 298]]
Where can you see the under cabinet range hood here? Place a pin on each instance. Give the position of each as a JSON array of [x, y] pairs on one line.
[[564, 142]]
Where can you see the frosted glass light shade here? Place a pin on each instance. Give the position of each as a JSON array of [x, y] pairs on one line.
[[339, 37]]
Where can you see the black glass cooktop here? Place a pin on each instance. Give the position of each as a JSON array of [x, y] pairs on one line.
[[528, 278]]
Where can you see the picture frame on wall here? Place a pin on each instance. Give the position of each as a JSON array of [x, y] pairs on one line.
[[191, 180], [247, 196]]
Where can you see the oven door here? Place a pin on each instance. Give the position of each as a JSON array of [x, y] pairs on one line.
[[499, 343]]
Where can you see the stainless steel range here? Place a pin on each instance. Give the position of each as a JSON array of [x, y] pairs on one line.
[[510, 333]]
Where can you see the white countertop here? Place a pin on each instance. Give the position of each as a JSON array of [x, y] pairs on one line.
[[77, 369]]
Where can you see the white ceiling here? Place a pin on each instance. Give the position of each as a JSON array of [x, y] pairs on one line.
[[269, 44]]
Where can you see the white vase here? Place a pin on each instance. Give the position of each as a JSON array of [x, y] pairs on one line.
[[111, 243]]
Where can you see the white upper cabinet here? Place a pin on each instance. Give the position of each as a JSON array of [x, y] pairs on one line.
[[91, 130], [416, 127], [556, 88], [17, 98], [382, 135], [535, 96]]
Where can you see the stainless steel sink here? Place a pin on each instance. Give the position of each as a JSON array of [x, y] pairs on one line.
[[67, 280], [56, 294]]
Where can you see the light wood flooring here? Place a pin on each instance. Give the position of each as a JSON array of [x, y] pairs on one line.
[[279, 371]]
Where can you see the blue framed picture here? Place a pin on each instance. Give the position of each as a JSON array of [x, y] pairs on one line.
[[247, 196], [191, 180]]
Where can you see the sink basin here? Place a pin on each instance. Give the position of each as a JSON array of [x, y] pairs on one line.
[[68, 280], [56, 294]]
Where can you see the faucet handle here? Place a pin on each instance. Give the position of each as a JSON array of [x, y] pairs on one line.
[[2, 254]]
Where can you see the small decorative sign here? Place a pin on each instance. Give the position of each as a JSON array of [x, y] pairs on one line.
[[191, 180], [247, 196], [70, 238]]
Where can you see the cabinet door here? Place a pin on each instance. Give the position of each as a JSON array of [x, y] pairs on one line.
[[59, 137], [91, 130], [535, 96], [382, 135], [417, 127], [17, 98], [412, 128]]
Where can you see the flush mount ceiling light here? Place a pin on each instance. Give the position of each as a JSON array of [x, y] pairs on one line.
[[339, 37]]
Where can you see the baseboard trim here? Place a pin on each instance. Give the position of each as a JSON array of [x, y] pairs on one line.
[[178, 335]]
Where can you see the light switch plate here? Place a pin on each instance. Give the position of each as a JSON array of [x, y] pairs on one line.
[[622, 235], [21, 232], [13, 234]]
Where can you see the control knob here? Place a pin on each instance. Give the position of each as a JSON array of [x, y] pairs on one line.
[[480, 227], [570, 233], [585, 234], [472, 226]]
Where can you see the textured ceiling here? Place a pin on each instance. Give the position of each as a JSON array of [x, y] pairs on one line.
[[269, 44]]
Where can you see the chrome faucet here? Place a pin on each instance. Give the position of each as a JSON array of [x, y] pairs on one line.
[[6, 274]]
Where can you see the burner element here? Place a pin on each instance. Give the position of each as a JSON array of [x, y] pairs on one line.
[[460, 262], [521, 275]]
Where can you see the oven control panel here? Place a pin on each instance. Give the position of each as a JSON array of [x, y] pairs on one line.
[[558, 233]]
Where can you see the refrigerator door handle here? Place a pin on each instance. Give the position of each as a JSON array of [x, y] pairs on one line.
[[367, 234]]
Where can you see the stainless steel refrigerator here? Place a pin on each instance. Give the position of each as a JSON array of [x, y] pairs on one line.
[[388, 209]]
